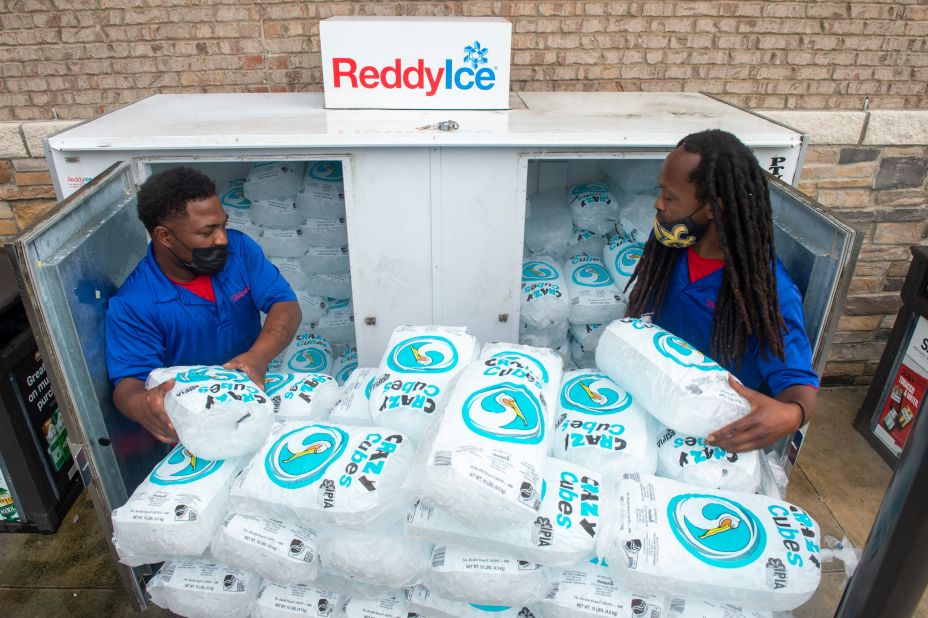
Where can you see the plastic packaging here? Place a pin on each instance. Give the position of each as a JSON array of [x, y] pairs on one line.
[[386, 607], [592, 207], [307, 353], [175, 511], [594, 299], [325, 475], [336, 285], [204, 589], [484, 464], [218, 413], [232, 197], [684, 389], [423, 602], [545, 302], [587, 590], [337, 328], [325, 260], [308, 396], [585, 241], [312, 305], [278, 214], [694, 608], [728, 547], [583, 356], [621, 257], [587, 334], [290, 269], [633, 175], [323, 191], [354, 403], [377, 557], [693, 461], [412, 381], [548, 231], [322, 232], [562, 534], [279, 551], [601, 426], [294, 601], [484, 578], [274, 179]]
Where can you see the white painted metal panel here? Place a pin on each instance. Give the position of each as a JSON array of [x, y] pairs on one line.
[[480, 222], [390, 243]]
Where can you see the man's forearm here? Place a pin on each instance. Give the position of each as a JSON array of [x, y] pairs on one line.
[[129, 397], [279, 329]]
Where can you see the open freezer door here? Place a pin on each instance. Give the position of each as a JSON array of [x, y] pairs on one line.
[[819, 252], [68, 266]]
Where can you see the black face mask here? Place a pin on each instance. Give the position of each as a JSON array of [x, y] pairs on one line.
[[207, 261]]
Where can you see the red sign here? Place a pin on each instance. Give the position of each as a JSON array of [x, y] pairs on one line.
[[905, 398]]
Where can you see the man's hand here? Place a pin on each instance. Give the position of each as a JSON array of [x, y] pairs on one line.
[[146, 407], [768, 421], [251, 365]]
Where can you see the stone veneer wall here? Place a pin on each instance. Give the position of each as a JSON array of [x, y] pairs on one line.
[[869, 168]]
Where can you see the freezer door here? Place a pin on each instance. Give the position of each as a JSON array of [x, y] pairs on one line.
[[68, 266], [819, 251]]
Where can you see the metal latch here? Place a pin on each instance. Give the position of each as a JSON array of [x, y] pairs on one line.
[[444, 125]]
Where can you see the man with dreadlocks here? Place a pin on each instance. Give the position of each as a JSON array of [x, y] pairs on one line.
[[709, 274]]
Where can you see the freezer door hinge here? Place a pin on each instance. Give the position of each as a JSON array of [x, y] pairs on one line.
[[445, 125]]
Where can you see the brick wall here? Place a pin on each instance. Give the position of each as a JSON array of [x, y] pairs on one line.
[[77, 58]]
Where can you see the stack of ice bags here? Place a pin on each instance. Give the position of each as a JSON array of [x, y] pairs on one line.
[[415, 371], [737, 548], [204, 589]]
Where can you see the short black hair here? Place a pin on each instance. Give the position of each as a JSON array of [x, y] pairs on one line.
[[166, 194]]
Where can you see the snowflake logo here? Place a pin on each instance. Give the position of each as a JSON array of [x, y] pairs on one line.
[[476, 55]]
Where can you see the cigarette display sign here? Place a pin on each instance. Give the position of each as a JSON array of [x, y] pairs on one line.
[[416, 62]]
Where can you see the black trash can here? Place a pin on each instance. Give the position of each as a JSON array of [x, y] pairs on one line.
[[38, 478]]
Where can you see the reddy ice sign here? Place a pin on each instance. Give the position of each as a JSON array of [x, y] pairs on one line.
[[416, 62]]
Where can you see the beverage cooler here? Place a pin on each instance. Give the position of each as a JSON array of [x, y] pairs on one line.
[[435, 208]]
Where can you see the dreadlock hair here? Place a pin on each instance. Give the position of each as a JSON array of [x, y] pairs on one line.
[[729, 179]]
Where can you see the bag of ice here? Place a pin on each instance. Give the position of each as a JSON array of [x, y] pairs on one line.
[[549, 229], [484, 578], [308, 396], [321, 232], [279, 214], [354, 404], [601, 426], [218, 413], [693, 461], [204, 589], [272, 180], [587, 590], [415, 371], [621, 257], [325, 260], [592, 207], [724, 546], [544, 303], [307, 353], [279, 551], [681, 387], [484, 464], [694, 608], [323, 191], [377, 557], [175, 511], [593, 295], [325, 475]]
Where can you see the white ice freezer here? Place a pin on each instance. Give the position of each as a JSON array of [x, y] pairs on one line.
[[435, 208]]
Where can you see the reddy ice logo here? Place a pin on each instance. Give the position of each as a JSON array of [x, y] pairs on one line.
[[415, 75], [592, 275], [426, 354], [300, 457], [181, 467], [627, 259], [718, 531], [505, 412], [326, 171], [538, 271], [594, 393], [682, 353]]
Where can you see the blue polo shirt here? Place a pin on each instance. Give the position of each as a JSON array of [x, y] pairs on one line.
[[152, 323], [688, 310]]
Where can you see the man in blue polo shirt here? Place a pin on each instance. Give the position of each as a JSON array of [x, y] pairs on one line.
[[195, 299]]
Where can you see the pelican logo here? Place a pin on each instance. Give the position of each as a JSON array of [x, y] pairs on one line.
[[181, 467], [345, 372], [425, 354], [338, 303], [326, 171], [217, 374], [275, 382], [627, 259], [592, 275], [682, 353], [505, 412], [308, 360], [300, 457], [594, 393], [235, 198], [717, 531], [591, 194], [538, 271]]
